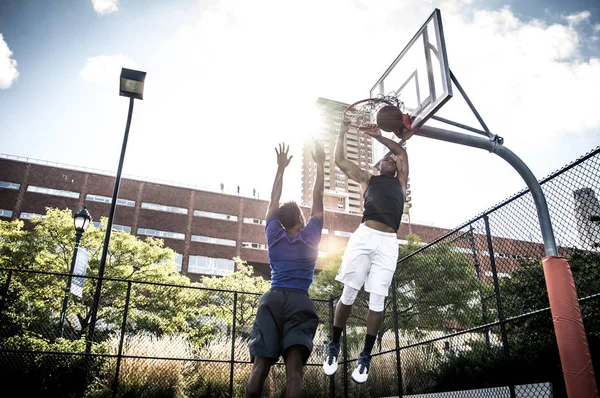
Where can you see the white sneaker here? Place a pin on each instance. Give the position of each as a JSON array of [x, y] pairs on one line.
[[331, 362], [361, 373]]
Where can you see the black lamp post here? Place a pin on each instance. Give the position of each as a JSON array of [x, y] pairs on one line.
[[82, 221], [132, 86]]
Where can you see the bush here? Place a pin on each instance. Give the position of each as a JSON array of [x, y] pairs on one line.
[[57, 369]]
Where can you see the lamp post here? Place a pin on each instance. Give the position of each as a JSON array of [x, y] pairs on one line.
[[132, 86], [82, 221]]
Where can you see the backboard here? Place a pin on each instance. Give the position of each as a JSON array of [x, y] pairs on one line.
[[419, 76]]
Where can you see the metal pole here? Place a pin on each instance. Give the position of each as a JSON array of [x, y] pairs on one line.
[[122, 339], [345, 354], [515, 162], [332, 377], [478, 272], [232, 363], [397, 337], [111, 214], [63, 314], [498, 301]]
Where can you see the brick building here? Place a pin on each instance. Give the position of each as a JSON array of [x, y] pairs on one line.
[[207, 229]]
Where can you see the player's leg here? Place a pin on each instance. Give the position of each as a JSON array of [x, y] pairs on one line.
[[377, 284], [298, 331], [265, 347], [294, 370], [353, 273], [260, 371]]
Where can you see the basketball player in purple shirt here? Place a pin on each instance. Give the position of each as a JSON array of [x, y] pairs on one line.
[[286, 319]]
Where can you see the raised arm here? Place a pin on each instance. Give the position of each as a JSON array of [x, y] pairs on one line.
[[282, 162], [350, 169], [318, 156], [400, 153]]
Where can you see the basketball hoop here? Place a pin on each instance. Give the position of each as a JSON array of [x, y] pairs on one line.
[[363, 115]]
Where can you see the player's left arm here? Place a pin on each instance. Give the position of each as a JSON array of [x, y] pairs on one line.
[[400, 153]]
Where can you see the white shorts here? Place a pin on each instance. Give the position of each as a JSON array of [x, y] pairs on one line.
[[370, 260]]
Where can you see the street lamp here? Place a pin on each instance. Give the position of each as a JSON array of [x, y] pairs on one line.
[[81, 221], [131, 86]]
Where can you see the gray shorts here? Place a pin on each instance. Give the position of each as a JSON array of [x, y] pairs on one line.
[[285, 318]]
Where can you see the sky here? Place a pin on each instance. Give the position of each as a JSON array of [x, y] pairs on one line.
[[229, 79]]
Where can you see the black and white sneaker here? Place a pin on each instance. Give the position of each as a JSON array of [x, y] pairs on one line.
[[331, 362], [361, 373]]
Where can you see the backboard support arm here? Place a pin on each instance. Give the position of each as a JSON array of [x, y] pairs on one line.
[[521, 168]]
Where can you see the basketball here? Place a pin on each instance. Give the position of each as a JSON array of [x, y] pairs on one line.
[[389, 118]]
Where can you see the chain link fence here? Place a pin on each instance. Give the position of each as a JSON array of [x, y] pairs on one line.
[[467, 316], [472, 308]]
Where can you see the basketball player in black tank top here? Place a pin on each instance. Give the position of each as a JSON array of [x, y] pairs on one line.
[[372, 252]]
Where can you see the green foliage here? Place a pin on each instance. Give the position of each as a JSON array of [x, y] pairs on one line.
[[532, 343], [37, 373], [34, 301], [220, 304]]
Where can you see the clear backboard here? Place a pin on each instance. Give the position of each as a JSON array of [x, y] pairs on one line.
[[419, 76]]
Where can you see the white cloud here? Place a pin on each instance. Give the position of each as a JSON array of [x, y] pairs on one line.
[[103, 7], [597, 28], [105, 68], [8, 66], [578, 17]]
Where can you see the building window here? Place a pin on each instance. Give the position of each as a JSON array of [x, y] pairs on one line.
[[325, 231], [340, 183], [251, 245], [169, 209], [216, 241], [52, 191], [178, 261], [9, 185], [116, 227], [106, 199], [29, 216], [342, 233], [161, 234], [5, 213], [218, 216], [257, 221], [210, 265]]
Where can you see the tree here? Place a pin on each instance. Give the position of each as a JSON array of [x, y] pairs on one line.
[[34, 301], [219, 305], [531, 341]]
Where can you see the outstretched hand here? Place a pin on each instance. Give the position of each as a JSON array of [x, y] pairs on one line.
[[318, 153], [282, 156]]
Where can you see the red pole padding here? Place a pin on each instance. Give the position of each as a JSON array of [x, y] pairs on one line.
[[572, 342]]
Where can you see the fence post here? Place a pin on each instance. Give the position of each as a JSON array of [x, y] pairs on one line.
[[397, 337], [115, 386], [345, 354], [499, 302], [478, 272], [232, 363], [332, 377], [5, 292]]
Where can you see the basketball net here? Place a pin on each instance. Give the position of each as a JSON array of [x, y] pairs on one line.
[[363, 114]]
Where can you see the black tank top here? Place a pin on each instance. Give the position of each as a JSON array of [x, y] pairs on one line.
[[384, 201]]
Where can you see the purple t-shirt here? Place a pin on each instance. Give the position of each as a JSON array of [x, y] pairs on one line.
[[293, 259]]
